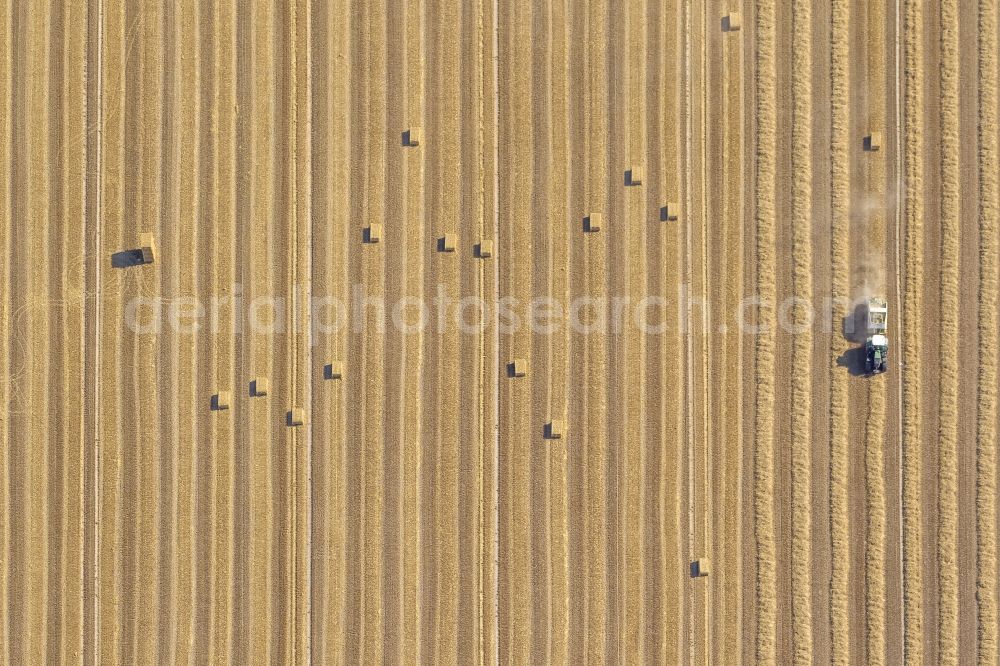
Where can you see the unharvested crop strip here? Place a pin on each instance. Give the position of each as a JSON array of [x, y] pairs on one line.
[[840, 565], [802, 564], [989, 345], [875, 531], [764, 188], [910, 335], [948, 368]]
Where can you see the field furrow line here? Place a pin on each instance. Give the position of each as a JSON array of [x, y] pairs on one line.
[[729, 628], [66, 295], [7, 187], [633, 458], [29, 408], [284, 244], [186, 233], [333, 235], [356, 627], [372, 278], [875, 527], [559, 349], [664, 583], [93, 325], [539, 458], [263, 434], [416, 248], [989, 336], [617, 345], [431, 557], [299, 290], [145, 114], [948, 370], [167, 347], [517, 633], [396, 368], [840, 270], [221, 279], [597, 600], [913, 120], [764, 188], [873, 239], [243, 188], [577, 411], [110, 627], [802, 342], [451, 215], [200, 487]]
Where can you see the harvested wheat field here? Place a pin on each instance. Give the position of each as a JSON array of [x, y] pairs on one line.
[[415, 331]]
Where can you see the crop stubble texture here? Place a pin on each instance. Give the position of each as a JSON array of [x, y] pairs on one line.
[[948, 370], [989, 332], [764, 189], [840, 270], [802, 564], [913, 124], [201, 523]]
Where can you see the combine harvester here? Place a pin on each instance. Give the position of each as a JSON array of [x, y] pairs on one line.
[[877, 344]]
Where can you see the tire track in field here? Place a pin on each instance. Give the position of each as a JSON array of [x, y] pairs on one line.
[[585, 188], [873, 238], [65, 604], [948, 369], [840, 530], [911, 344], [396, 363], [166, 286], [256, 455], [198, 493], [396, 369], [598, 600], [764, 187], [459, 391], [205, 551], [725, 136], [334, 232], [299, 348], [130, 462], [663, 567], [560, 391], [7, 194], [31, 408], [43, 153], [801, 616], [633, 400], [179, 243], [989, 325], [617, 281], [516, 633], [93, 326], [220, 281], [369, 345], [417, 246], [700, 371]]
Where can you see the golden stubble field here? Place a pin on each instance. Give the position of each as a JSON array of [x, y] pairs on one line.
[[247, 451]]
